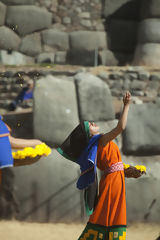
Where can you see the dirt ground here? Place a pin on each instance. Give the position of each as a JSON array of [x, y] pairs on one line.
[[13, 230]]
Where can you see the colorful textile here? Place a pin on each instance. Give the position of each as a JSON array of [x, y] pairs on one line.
[[114, 168], [6, 159], [97, 232], [111, 206], [88, 163]]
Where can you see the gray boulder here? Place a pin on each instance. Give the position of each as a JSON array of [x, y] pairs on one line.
[[149, 31], [147, 54], [60, 57], [121, 9], [55, 109], [142, 204], [56, 39], [9, 40], [45, 57], [18, 2], [141, 136], [31, 44], [61, 201], [81, 57], [2, 13], [107, 58], [28, 19], [138, 85], [15, 58], [94, 98], [122, 35], [150, 9], [88, 40]]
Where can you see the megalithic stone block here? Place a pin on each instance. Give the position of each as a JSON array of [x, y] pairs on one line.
[[55, 109], [94, 98], [141, 136], [28, 19]]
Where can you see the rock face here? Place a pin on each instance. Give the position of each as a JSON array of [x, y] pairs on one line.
[[18, 2], [15, 58], [57, 101], [27, 19], [144, 54], [56, 39], [95, 101], [57, 182], [141, 136], [151, 10], [149, 36], [149, 31], [2, 13], [142, 203], [31, 44], [88, 40], [9, 40], [120, 9]]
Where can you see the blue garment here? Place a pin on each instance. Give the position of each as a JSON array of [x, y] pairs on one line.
[[88, 160], [28, 95], [6, 159]]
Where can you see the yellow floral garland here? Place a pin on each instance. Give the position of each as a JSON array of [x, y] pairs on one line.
[[39, 150], [141, 168]]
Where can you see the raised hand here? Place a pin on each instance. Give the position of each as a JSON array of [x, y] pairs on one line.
[[127, 98]]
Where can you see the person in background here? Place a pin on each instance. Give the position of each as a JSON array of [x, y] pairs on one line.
[[23, 97], [7, 142], [90, 149]]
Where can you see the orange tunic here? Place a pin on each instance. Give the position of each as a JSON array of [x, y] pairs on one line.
[[111, 207]]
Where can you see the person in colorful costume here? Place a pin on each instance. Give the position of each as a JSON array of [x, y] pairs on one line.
[[7, 142], [89, 149]]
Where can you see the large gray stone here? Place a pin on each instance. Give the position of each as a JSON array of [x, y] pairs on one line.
[[147, 54], [18, 2], [45, 57], [121, 9], [88, 40], [51, 195], [55, 109], [15, 58], [95, 100], [56, 39], [31, 45], [141, 136], [122, 35], [107, 58], [81, 57], [9, 40], [149, 31], [142, 195], [150, 9], [2, 13], [28, 19], [60, 57]]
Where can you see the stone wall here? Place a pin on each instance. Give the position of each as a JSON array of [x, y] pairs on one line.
[[67, 31], [148, 47], [61, 99]]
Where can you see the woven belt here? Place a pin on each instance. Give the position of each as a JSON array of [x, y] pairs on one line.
[[114, 168]]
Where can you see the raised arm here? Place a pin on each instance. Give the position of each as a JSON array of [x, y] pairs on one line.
[[121, 123], [18, 143]]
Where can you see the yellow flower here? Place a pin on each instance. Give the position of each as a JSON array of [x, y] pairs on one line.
[[39, 150], [126, 166], [142, 168]]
